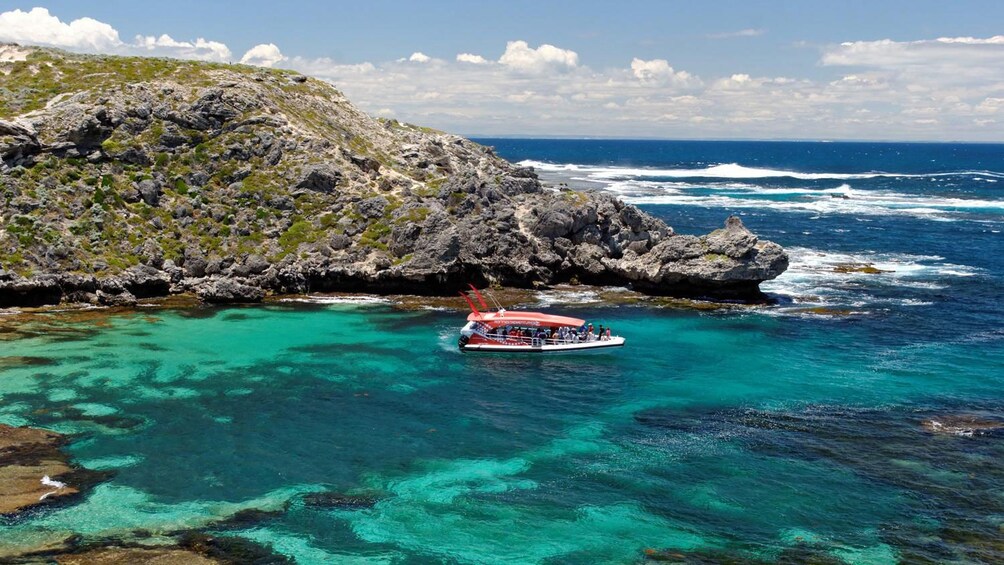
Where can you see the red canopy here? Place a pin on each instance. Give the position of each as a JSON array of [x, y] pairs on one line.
[[509, 318]]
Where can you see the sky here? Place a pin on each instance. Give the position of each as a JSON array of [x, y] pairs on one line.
[[914, 70]]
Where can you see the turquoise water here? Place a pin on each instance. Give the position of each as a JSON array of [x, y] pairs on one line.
[[792, 432], [735, 431]]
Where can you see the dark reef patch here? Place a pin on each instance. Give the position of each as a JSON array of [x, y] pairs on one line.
[[952, 477]]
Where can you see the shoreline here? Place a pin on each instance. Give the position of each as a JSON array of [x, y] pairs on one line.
[[518, 298]]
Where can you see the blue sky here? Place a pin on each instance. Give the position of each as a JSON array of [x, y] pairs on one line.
[[808, 69]]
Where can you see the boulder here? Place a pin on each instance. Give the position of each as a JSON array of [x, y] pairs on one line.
[[252, 265], [149, 191], [733, 241], [145, 281], [321, 177], [18, 143], [371, 207], [553, 223], [228, 291], [124, 298], [36, 291]]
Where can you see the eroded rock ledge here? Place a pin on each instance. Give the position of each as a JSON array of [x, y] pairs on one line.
[[144, 178]]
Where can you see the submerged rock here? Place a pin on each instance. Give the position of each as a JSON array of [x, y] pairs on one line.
[[339, 500], [34, 471], [131, 555], [196, 548], [866, 268], [231, 549], [965, 425]]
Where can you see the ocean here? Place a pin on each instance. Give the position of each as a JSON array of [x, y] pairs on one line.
[[857, 419]]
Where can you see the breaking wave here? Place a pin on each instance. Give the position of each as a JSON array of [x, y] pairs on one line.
[[730, 171], [864, 279], [732, 186]]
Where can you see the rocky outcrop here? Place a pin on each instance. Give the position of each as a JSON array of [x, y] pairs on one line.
[[227, 291], [139, 182]]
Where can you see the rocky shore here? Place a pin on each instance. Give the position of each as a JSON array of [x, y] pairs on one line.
[[128, 178]]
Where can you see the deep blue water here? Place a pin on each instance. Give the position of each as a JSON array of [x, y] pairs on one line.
[[796, 432], [932, 213]]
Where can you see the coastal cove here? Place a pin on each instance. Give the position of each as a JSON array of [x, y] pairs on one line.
[[530, 283], [856, 419]]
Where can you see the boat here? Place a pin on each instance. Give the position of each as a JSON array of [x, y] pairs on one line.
[[509, 331]]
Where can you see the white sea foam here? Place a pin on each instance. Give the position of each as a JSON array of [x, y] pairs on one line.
[[730, 171], [814, 277], [360, 300], [730, 188], [52, 483], [552, 297]]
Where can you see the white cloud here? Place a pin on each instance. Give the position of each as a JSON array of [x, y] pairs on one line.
[[39, 27], [659, 71], [995, 40], [471, 58], [954, 58], [531, 91], [263, 55], [329, 69], [519, 56], [942, 88], [199, 49], [748, 32]]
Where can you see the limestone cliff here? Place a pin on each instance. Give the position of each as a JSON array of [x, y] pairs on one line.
[[131, 177]]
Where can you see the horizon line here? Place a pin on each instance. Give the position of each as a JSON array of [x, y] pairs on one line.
[[720, 139]]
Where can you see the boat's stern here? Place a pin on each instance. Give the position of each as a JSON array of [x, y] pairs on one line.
[[468, 330], [465, 334]]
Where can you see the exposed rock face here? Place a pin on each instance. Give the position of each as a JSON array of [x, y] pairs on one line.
[[227, 291], [140, 180]]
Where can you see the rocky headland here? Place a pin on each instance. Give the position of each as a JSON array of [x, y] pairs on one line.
[[127, 178]]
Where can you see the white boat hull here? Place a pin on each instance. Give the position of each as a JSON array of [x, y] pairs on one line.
[[581, 347]]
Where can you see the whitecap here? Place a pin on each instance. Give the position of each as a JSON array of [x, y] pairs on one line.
[[316, 299], [552, 297], [734, 171], [730, 190], [816, 277]]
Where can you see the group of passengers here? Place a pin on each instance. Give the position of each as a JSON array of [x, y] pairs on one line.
[[561, 335]]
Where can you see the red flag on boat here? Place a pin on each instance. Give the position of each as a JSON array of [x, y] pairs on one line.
[[478, 294], [469, 302]]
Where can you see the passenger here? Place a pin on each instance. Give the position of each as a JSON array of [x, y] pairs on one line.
[[602, 334], [608, 334], [590, 336]]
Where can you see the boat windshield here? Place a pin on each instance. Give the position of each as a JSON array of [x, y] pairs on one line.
[[517, 334]]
